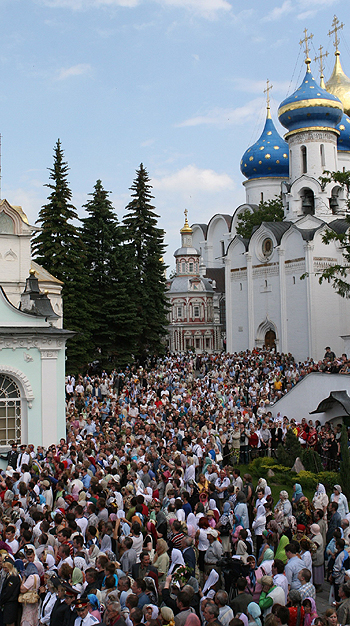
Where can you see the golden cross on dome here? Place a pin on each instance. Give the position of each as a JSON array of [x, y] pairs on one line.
[[186, 213], [320, 58], [307, 49], [336, 28]]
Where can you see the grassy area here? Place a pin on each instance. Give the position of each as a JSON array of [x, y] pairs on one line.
[[275, 483]]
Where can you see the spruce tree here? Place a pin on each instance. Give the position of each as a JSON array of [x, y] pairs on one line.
[[110, 305], [59, 249], [145, 248]]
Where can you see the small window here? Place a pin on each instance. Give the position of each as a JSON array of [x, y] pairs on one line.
[[261, 197], [183, 268], [293, 280], [323, 160], [222, 248], [187, 343], [179, 311], [303, 159], [240, 286], [190, 268], [207, 342], [198, 343], [196, 310]]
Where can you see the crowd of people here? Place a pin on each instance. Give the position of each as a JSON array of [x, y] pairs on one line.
[[141, 516]]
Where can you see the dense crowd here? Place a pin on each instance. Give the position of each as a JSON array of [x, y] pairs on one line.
[[141, 515]]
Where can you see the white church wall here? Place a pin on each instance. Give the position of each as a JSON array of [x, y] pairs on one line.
[[199, 242], [262, 189], [321, 153], [218, 231], [308, 393]]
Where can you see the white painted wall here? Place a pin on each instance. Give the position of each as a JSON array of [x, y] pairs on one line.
[[307, 395]]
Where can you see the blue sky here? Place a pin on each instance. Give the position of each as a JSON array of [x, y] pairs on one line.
[[175, 84]]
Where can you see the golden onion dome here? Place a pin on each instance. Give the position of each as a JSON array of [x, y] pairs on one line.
[[339, 84]]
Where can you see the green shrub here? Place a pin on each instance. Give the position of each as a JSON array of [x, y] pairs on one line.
[[290, 450], [308, 480], [311, 460], [328, 479]]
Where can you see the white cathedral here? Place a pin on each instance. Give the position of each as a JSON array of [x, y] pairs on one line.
[[268, 302]]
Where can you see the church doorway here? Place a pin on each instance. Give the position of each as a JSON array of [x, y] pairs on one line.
[[270, 340]]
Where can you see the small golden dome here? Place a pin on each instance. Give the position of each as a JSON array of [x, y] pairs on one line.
[[186, 227], [339, 84]]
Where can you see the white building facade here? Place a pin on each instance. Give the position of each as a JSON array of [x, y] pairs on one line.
[[273, 294]]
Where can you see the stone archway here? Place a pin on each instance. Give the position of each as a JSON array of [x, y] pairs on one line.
[[266, 335]]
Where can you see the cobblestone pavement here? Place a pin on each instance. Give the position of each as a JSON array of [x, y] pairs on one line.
[[322, 599]]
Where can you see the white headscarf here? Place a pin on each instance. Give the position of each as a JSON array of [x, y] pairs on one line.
[[176, 559], [211, 580], [320, 489]]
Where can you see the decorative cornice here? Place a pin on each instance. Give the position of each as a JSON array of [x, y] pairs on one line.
[[23, 342]]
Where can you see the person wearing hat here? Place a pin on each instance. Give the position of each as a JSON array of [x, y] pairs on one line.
[[70, 599], [9, 592], [84, 616], [270, 595], [214, 552], [12, 456]]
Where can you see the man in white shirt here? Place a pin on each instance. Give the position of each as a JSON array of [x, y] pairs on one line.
[[80, 519]]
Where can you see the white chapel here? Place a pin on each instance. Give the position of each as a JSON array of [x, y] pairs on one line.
[[273, 294]]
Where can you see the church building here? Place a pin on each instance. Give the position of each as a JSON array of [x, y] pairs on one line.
[[273, 294], [32, 341], [194, 317]]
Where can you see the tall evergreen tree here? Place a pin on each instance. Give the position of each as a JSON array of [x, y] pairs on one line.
[[145, 248], [59, 249], [111, 308]]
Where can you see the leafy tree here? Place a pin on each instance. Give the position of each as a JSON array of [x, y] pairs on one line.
[[144, 243], [59, 249], [345, 461], [110, 305], [269, 211], [338, 273], [290, 450]]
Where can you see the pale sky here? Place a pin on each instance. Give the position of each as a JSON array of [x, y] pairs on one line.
[[175, 84]]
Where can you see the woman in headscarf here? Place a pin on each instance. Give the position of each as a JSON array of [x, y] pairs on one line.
[[280, 552], [320, 499], [258, 526], [310, 611], [192, 525], [77, 579], [255, 574], [254, 612], [192, 620], [208, 461], [224, 526], [338, 497], [262, 484], [241, 509], [317, 557], [161, 559], [168, 618], [94, 606], [176, 560], [30, 612], [283, 509], [298, 493], [208, 589]]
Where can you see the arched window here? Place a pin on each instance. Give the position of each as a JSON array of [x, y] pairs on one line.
[[10, 411], [323, 159], [303, 159], [261, 196]]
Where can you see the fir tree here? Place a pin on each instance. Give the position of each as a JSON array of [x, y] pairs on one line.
[[269, 211], [290, 450], [59, 249], [110, 305], [145, 248]]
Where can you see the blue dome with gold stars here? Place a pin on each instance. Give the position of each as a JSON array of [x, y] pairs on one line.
[[268, 157], [310, 106], [344, 137]]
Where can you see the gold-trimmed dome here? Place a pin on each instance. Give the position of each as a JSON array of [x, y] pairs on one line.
[[339, 84], [186, 227]]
